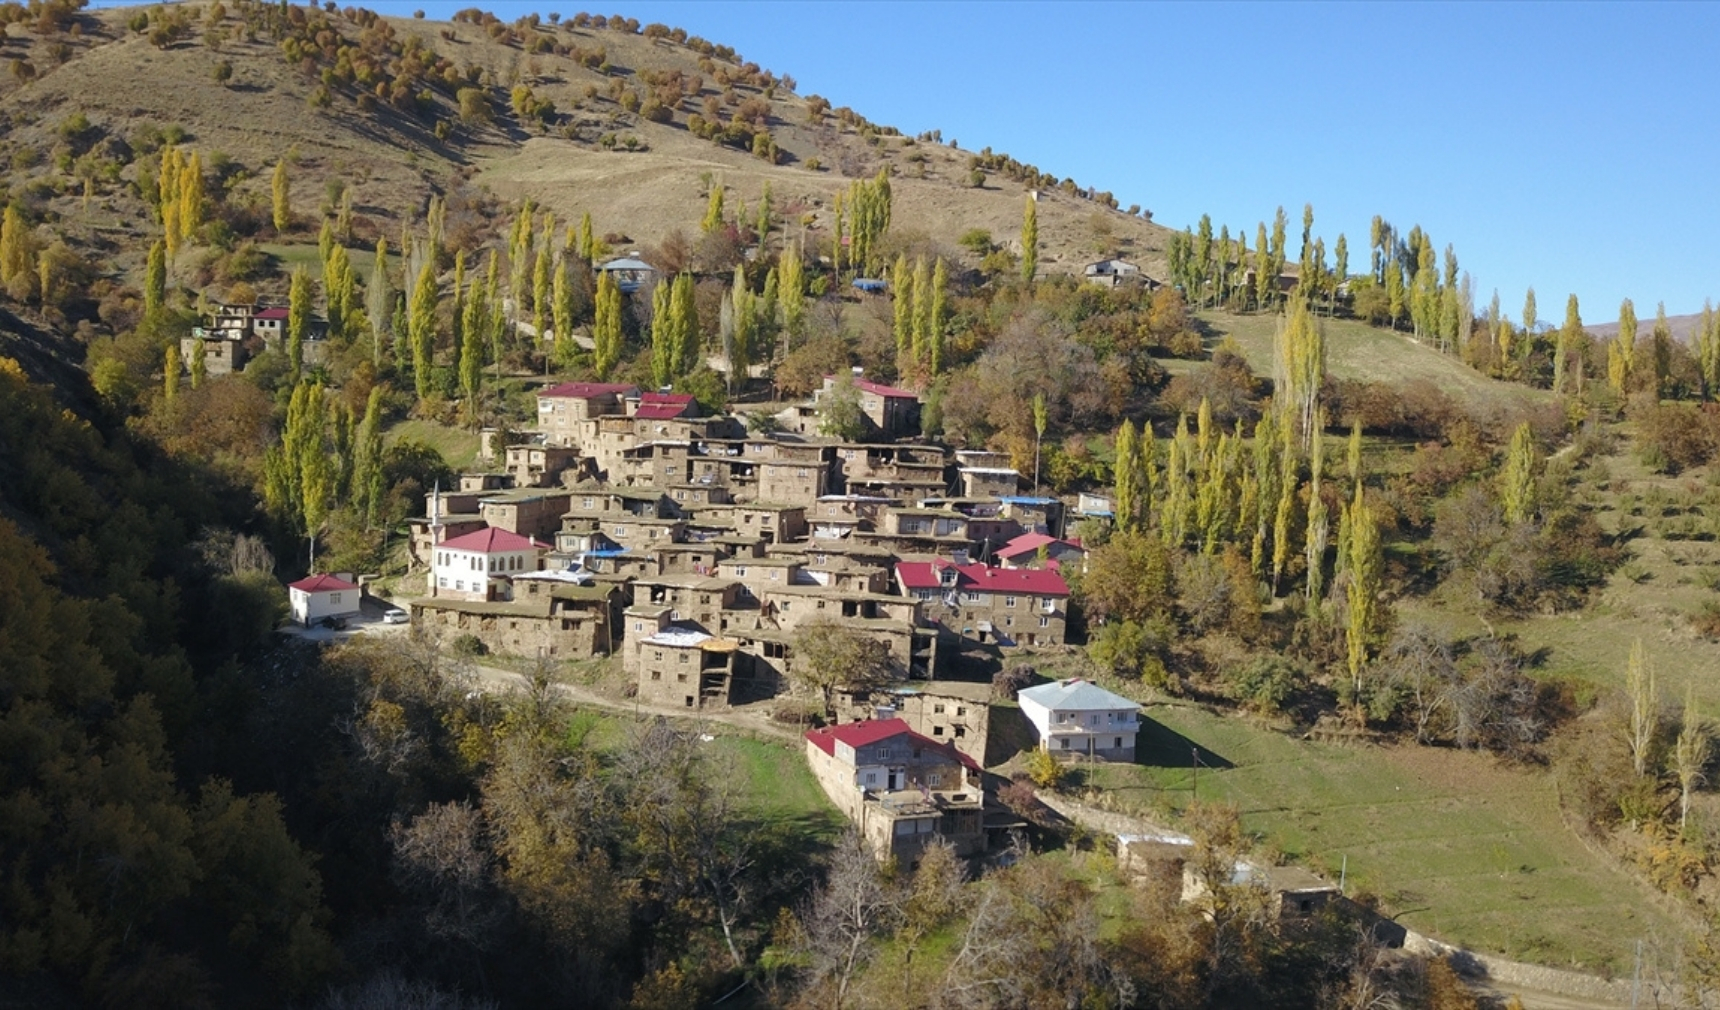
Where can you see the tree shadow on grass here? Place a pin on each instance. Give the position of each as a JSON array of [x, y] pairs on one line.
[[1159, 746]]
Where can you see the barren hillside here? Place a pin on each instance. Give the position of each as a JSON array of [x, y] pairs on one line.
[[293, 93]]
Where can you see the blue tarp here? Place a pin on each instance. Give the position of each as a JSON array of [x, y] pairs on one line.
[[870, 285]]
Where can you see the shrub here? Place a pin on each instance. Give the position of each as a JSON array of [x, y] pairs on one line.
[[1266, 683], [1044, 770]]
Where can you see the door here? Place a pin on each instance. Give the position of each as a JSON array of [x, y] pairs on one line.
[[894, 780]]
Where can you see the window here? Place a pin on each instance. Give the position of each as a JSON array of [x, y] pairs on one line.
[[970, 597], [656, 674], [334, 597], [442, 582], [938, 709], [1118, 742], [871, 778], [961, 731], [883, 753], [1009, 622], [740, 571], [934, 780], [937, 731], [459, 585], [620, 531], [681, 657], [1045, 622], [680, 678], [1048, 605], [1065, 743], [961, 710], [1009, 601]]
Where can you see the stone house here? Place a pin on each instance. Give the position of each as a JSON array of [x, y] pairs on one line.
[[562, 407], [698, 600], [792, 481], [533, 465], [1077, 718], [894, 413], [530, 512], [901, 789], [1004, 606], [988, 481], [546, 618], [953, 712], [1112, 273]]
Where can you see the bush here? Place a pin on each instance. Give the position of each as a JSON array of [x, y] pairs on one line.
[[1044, 770], [1267, 683]]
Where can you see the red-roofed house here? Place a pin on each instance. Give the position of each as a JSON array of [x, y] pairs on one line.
[[894, 412], [1007, 606], [561, 408], [320, 596], [1024, 552], [666, 406], [481, 565], [901, 789]]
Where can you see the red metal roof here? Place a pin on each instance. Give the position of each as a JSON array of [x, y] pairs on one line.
[[271, 314], [587, 390], [859, 734], [490, 540], [1028, 543], [982, 579], [879, 389], [663, 406], [322, 584]]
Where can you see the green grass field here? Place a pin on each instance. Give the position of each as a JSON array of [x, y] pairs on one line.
[[1457, 846], [1355, 350], [459, 448]]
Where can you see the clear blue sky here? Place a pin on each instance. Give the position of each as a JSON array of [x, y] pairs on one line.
[[1573, 147]]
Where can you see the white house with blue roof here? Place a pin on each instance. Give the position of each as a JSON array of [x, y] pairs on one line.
[[1078, 717]]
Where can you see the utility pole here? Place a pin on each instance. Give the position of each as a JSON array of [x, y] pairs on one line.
[[1194, 753]]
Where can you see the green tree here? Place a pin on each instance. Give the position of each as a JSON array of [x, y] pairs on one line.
[[1690, 754], [1125, 476], [17, 249], [713, 212], [421, 323], [1708, 350], [1362, 592], [472, 335], [199, 367], [561, 299], [1030, 239], [1566, 342], [1662, 337], [1644, 696], [1621, 356], [1039, 422], [665, 334], [170, 373], [298, 319], [283, 210], [935, 339], [791, 292], [155, 279], [378, 302], [828, 654], [921, 339], [902, 310], [839, 412], [1517, 481], [688, 340], [606, 328]]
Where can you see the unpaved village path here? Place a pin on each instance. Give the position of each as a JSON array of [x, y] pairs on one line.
[[752, 718]]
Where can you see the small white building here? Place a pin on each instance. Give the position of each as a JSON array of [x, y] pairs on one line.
[[320, 596], [480, 566], [1077, 717]]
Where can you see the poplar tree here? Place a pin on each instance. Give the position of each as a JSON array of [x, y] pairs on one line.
[[1644, 695], [1040, 419], [16, 255], [1362, 591], [869, 209], [1030, 240], [935, 340], [1708, 350], [155, 279], [791, 291], [922, 322], [1529, 316], [1568, 336], [762, 224], [1124, 475], [421, 322], [688, 340], [1662, 337], [1299, 370], [472, 350], [457, 316], [740, 328], [1690, 754], [1394, 291], [561, 302], [541, 291], [298, 319], [1283, 515], [283, 209], [664, 334], [367, 463], [170, 373], [606, 327], [167, 198], [1314, 546], [713, 212], [1264, 279], [1268, 477], [199, 366], [1621, 355], [838, 221], [902, 311], [1517, 480], [587, 243], [378, 302], [191, 197]]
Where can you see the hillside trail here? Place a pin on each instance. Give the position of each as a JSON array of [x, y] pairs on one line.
[[751, 718]]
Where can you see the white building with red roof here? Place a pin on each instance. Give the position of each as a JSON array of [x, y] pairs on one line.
[[1001, 606], [901, 789], [481, 565], [318, 596]]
